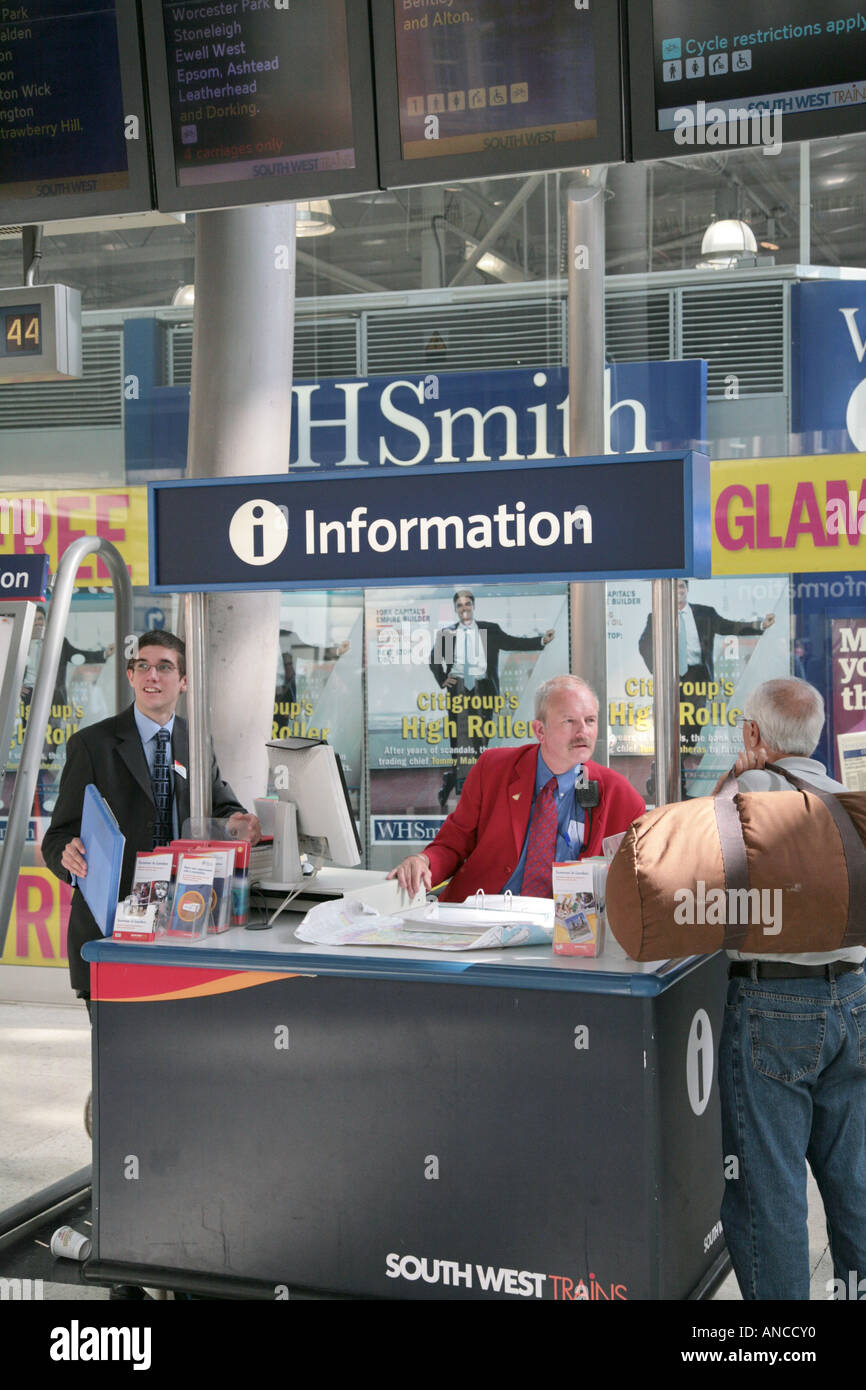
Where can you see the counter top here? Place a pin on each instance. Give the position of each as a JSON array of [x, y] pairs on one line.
[[522, 967]]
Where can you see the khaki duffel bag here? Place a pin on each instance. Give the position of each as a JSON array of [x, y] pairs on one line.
[[748, 871]]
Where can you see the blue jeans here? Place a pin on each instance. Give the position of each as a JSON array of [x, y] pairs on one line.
[[792, 1078]]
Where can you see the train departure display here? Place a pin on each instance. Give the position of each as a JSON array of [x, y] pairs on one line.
[[735, 72], [257, 102], [485, 86], [72, 134]]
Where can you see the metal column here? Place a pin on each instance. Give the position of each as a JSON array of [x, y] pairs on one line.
[[666, 691], [240, 415], [586, 419]]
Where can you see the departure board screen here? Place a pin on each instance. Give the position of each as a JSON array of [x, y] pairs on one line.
[[495, 85], [73, 140], [721, 66], [255, 103]]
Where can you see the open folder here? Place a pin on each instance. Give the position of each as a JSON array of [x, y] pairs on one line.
[[103, 850]]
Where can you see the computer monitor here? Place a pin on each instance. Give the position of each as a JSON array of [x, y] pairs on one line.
[[270, 103], [73, 134], [310, 784], [738, 72]]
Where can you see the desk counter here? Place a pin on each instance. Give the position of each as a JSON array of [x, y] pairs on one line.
[[273, 1116]]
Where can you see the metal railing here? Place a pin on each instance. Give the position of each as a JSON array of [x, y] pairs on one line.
[[43, 693]]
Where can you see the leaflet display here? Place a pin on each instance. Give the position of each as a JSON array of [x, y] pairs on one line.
[[473, 88], [73, 140], [733, 73], [254, 103]]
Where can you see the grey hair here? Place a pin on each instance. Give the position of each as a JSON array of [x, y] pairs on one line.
[[550, 687], [789, 713]]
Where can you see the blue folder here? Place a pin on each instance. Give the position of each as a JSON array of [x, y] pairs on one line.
[[103, 850]]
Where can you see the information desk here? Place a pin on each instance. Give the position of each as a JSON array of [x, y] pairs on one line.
[[271, 1117]]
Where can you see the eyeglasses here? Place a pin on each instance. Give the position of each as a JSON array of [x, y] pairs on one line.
[[162, 668]]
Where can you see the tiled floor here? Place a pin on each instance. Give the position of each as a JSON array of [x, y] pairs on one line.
[[44, 1081]]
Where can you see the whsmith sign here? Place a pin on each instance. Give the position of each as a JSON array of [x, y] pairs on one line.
[[641, 516], [446, 417]]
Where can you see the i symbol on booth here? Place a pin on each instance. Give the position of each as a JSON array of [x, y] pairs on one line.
[[258, 532]]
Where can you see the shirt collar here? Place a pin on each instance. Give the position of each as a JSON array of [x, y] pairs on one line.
[[148, 727], [565, 780]]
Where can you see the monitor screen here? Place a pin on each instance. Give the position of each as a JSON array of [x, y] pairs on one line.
[[735, 73], [309, 774], [73, 138], [253, 103], [473, 88]]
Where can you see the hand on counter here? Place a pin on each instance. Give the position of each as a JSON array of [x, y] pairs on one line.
[[412, 873], [243, 825]]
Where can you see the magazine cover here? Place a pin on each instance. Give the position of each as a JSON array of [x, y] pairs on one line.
[[732, 635], [450, 672], [318, 689]]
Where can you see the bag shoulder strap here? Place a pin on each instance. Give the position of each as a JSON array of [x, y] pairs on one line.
[[734, 850]]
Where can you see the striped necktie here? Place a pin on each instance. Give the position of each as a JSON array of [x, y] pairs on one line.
[[160, 782]]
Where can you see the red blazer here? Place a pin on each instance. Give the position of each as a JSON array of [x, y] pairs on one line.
[[485, 833]]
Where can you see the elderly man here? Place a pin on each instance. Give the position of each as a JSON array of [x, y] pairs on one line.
[[792, 1058], [524, 808]]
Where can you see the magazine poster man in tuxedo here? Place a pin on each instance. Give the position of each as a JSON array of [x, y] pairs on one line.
[[465, 662]]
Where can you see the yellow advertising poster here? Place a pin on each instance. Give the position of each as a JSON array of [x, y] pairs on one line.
[[774, 516], [39, 920], [48, 522]]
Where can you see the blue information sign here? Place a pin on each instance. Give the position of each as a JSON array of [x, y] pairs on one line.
[[636, 516], [23, 577]]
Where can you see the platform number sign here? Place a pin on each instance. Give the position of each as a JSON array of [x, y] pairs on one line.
[[22, 330]]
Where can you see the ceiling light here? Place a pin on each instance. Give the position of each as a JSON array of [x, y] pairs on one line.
[[314, 218], [726, 241], [184, 297]]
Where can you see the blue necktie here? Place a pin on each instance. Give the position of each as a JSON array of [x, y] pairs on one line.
[[160, 782]]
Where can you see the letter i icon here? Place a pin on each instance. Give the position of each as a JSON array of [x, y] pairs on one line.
[[258, 533]]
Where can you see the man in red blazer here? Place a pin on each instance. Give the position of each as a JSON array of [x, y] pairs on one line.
[[488, 841]]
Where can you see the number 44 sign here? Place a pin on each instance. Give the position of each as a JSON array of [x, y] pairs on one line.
[[40, 333], [21, 330]]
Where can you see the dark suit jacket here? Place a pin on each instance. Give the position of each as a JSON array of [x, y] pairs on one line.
[[494, 640], [708, 623], [110, 755], [481, 840]]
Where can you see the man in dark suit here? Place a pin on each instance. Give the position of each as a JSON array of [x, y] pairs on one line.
[[698, 626], [465, 662], [120, 756]]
